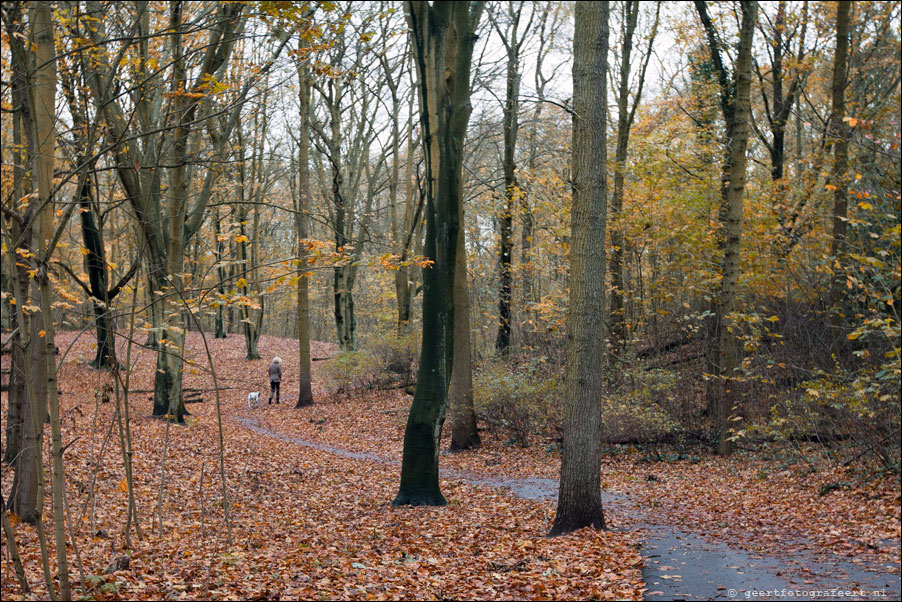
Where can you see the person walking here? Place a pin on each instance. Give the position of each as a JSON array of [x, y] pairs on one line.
[[275, 378]]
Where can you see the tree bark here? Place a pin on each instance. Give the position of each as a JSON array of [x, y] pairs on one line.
[[464, 434], [735, 95], [579, 499], [512, 194], [839, 131], [442, 36], [625, 116], [305, 393], [44, 82]]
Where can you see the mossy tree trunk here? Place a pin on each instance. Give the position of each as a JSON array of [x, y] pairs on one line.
[[442, 36], [735, 101]]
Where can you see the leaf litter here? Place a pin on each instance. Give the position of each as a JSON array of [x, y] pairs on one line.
[[312, 524], [307, 524]]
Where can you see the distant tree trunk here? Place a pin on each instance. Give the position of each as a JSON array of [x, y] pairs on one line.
[[405, 287], [511, 190], [251, 318], [96, 268], [305, 393], [735, 98], [625, 116], [777, 109], [460, 394], [221, 272], [547, 32], [579, 499], [839, 132], [442, 36]]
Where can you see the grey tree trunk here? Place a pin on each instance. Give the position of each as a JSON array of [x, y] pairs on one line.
[[579, 498], [43, 161], [442, 36], [464, 434], [305, 393]]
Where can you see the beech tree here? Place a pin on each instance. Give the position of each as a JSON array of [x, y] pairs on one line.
[[442, 36], [513, 41]]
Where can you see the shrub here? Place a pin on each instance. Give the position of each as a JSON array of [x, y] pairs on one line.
[[642, 411], [396, 355], [350, 369], [521, 400], [854, 418]]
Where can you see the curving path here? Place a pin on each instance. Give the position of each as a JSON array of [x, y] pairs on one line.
[[680, 565]]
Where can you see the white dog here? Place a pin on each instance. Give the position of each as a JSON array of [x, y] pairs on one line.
[[252, 399]]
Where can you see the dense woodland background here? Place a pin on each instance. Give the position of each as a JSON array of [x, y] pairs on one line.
[[259, 169]]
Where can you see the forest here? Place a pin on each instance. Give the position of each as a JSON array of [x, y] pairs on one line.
[[566, 300]]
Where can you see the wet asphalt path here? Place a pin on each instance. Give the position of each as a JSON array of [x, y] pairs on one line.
[[681, 565]]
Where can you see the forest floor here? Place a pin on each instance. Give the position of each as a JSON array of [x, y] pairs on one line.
[[310, 516]]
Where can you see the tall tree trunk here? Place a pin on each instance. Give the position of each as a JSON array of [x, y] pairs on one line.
[[40, 18], [220, 327], [511, 191], [168, 400], [736, 108], [442, 36], [247, 247], [625, 115], [839, 132], [305, 393], [579, 499], [28, 382]]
